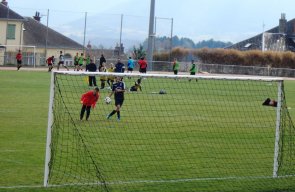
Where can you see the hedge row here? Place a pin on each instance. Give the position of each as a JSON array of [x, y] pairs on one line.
[[233, 57]]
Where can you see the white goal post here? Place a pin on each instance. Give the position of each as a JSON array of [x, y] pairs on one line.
[[15, 48], [185, 128]]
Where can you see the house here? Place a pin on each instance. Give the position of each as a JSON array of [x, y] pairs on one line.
[[36, 40], [11, 25], [279, 38]]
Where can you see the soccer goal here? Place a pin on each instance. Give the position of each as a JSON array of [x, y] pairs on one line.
[[273, 42], [10, 51], [178, 133]]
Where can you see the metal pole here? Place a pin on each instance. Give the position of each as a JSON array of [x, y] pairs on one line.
[[171, 41], [120, 35], [46, 39], [20, 36], [84, 33], [277, 133], [49, 129], [155, 32], [151, 35]]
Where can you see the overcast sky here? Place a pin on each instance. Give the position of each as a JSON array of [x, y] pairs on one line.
[[225, 20]]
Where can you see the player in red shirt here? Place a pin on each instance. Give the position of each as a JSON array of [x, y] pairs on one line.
[[89, 100], [50, 62], [19, 58], [142, 65]]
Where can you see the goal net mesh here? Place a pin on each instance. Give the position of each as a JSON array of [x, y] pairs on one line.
[[179, 133]]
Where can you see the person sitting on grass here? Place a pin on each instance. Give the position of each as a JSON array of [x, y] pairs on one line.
[[136, 85], [270, 102], [89, 100]]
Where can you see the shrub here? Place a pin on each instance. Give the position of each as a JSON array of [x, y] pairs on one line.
[[235, 57]]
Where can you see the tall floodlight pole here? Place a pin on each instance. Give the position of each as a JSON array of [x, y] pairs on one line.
[[151, 36], [171, 41], [120, 47], [84, 33], [46, 38], [171, 34]]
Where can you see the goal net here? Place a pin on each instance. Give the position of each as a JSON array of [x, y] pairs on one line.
[[8, 54], [178, 133], [273, 42]]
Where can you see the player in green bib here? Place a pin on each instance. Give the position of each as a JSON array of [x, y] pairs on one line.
[[175, 66], [81, 61], [194, 69]]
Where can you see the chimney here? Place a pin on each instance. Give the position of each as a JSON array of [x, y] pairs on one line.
[[283, 24], [37, 16], [4, 2]]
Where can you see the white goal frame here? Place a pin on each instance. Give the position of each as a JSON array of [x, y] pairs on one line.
[[266, 79], [20, 47]]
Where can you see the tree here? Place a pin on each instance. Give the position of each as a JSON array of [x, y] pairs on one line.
[[139, 52]]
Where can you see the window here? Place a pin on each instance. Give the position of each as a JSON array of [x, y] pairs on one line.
[[10, 31], [248, 45]]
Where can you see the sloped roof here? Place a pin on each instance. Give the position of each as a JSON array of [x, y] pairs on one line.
[[256, 41], [8, 14], [35, 35]]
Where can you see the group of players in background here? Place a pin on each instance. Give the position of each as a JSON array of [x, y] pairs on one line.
[[116, 84]]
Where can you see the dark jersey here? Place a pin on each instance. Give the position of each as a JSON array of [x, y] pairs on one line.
[[91, 67], [119, 67], [118, 85]]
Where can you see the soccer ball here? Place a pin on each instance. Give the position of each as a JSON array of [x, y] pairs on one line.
[[107, 100], [162, 91]]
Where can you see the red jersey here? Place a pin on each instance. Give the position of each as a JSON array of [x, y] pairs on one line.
[[142, 64], [49, 61], [89, 98], [18, 56]]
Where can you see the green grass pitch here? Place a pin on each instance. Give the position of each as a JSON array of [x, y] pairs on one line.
[[23, 121]]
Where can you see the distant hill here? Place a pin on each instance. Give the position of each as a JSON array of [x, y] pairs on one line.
[[164, 43]]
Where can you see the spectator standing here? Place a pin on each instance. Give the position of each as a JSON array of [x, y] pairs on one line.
[[101, 61], [119, 67], [142, 65], [130, 65], [91, 68]]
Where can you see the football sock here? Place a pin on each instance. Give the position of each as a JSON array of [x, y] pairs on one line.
[[112, 113]]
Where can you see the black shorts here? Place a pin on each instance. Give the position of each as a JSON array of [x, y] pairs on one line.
[[142, 70], [19, 62], [61, 62], [130, 69], [119, 101], [193, 73]]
